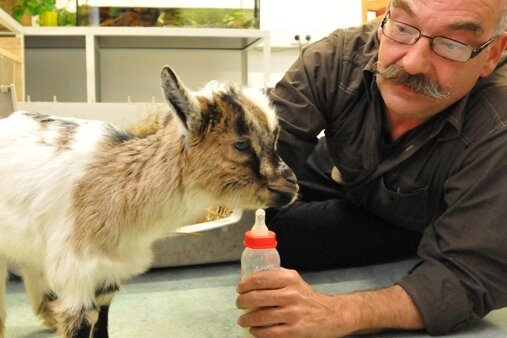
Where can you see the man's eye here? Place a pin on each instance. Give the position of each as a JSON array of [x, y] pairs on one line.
[[450, 45], [402, 30], [242, 145], [453, 46]]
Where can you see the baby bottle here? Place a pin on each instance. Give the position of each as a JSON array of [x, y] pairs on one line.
[[260, 252]]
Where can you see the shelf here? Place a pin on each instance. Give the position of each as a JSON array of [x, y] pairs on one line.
[[150, 37], [176, 42], [93, 41], [55, 41]]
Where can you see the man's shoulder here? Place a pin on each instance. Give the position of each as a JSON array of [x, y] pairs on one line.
[[492, 90], [339, 60], [486, 112], [499, 76], [359, 41]]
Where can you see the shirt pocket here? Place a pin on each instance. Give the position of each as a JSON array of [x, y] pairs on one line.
[[407, 208]]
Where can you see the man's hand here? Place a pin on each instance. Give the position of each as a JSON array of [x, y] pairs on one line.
[[284, 306]]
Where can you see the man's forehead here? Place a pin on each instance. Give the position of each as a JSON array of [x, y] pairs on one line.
[[402, 5], [471, 26]]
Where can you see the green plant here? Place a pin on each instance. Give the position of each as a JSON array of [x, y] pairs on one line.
[[32, 7]]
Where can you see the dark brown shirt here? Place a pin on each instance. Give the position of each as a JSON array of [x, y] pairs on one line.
[[448, 179]]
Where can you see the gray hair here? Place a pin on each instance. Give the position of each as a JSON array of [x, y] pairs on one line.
[[502, 27]]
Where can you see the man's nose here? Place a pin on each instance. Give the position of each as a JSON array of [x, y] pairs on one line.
[[418, 58]]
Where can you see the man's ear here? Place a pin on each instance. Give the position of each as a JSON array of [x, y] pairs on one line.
[[494, 54], [379, 33]]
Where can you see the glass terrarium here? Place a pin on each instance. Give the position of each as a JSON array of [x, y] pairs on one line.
[[169, 13]]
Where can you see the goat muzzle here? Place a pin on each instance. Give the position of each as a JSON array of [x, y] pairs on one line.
[[285, 188]]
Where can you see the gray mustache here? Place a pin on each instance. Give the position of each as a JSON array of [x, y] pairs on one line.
[[418, 83]]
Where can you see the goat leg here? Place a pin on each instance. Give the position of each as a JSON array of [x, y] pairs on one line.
[[104, 296], [45, 311], [39, 293], [77, 325], [100, 329], [3, 281]]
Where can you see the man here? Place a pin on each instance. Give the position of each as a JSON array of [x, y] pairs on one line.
[[414, 159]]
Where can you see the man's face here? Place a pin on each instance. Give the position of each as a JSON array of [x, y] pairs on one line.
[[472, 22]]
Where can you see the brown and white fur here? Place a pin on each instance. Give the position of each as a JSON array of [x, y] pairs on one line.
[[81, 202]]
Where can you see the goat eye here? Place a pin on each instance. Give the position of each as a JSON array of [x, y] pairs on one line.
[[242, 145]]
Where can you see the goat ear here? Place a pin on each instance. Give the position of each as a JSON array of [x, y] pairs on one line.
[[177, 95]]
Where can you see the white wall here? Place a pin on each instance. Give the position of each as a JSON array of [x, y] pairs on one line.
[[316, 18], [287, 18]]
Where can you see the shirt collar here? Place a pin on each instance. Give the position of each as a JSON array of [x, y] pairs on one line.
[[369, 74]]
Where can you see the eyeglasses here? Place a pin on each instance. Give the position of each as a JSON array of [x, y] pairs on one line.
[[445, 47]]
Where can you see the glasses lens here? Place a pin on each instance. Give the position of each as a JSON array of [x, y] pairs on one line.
[[451, 49], [400, 32]]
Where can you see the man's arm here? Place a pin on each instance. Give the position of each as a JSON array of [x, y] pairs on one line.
[[389, 308], [288, 307]]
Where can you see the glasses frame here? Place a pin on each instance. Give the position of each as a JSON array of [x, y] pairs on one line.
[[473, 51]]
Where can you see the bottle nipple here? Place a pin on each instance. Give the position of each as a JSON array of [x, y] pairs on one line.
[[259, 228], [260, 237]]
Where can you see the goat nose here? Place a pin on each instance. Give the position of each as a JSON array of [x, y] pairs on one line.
[[292, 179], [289, 174]]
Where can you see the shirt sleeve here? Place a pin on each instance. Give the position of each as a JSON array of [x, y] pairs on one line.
[[301, 99], [463, 272]]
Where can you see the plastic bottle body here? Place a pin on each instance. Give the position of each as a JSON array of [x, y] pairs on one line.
[[260, 252], [255, 260]]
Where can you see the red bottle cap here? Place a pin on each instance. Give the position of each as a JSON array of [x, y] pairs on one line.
[[264, 241]]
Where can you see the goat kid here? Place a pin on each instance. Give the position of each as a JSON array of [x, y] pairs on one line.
[[81, 202]]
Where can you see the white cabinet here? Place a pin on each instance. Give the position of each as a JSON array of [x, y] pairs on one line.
[[11, 54], [115, 64]]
